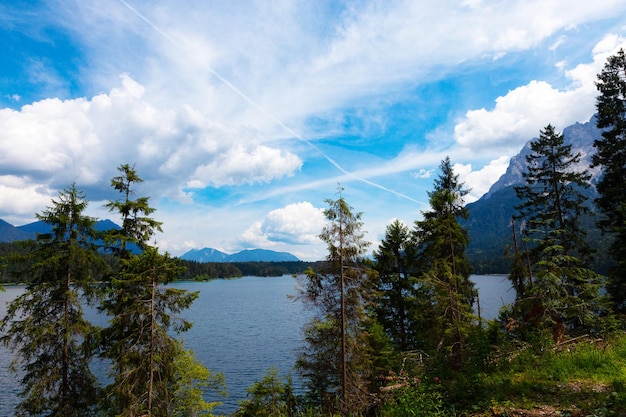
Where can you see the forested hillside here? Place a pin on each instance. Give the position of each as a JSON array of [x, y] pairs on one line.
[[490, 218]]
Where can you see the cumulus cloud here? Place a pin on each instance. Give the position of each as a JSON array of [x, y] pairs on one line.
[[58, 142], [479, 182], [297, 223], [519, 115], [217, 93], [20, 199]]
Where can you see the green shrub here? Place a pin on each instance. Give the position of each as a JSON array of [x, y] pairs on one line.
[[418, 400]]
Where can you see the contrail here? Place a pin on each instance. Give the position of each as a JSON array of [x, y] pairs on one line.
[[268, 114]]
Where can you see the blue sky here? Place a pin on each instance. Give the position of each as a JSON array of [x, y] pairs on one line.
[[244, 116]]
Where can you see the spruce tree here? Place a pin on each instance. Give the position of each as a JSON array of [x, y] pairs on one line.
[[45, 326], [611, 156], [397, 303], [442, 241], [142, 352], [335, 359], [143, 313], [564, 292], [137, 227]]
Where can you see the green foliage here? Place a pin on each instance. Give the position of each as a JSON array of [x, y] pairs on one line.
[[611, 155], [137, 228], [397, 302], [441, 243], [416, 400], [272, 396], [204, 271], [45, 325], [557, 289], [551, 200], [191, 381], [137, 341], [145, 358], [335, 360]]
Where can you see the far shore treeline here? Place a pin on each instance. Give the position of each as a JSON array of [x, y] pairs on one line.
[[193, 270]]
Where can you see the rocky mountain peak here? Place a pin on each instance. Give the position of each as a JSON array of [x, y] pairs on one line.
[[580, 135]]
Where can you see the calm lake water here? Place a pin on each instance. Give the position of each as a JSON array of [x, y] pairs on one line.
[[242, 327]]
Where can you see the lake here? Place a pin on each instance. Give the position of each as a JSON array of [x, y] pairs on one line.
[[244, 326]]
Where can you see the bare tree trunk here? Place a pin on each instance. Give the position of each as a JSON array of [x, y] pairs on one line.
[[152, 330]]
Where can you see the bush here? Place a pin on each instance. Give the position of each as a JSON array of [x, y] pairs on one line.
[[418, 400]]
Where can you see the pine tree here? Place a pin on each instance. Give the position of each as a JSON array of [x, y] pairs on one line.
[[144, 356], [398, 296], [142, 352], [137, 228], [45, 325], [611, 155], [335, 359], [551, 199], [442, 241], [564, 291]]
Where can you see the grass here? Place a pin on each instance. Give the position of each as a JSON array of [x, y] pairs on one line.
[[587, 378]]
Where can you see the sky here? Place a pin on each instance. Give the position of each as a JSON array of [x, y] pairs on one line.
[[243, 117]]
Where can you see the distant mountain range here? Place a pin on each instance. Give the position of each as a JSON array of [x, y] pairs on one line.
[[10, 233], [249, 255]]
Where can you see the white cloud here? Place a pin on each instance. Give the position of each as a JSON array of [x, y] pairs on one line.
[[424, 173], [240, 164], [58, 142], [519, 115], [296, 64], [479, 182], [298, 59], [297, 223], [20, 199]]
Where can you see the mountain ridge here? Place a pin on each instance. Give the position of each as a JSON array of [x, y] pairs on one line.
[[247, 255], [579, 135], [490, 217], [10, 233]]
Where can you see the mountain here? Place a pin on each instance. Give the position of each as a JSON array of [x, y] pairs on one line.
[[42, 227], [35, 227], [489, 222], [204, 255], [10, 233], [580, 136], [250, 255], [261, 255]]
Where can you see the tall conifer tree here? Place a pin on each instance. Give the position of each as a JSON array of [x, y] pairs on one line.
[[335, 359], [143, 311], [45, 325], [442, 242], [398, 297], [564, 291], [611, 155]]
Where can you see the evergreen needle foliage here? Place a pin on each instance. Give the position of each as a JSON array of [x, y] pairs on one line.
[[557, 289], [145, 358], [441, 249], [611, 155], [45, 325], [335, 361]]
